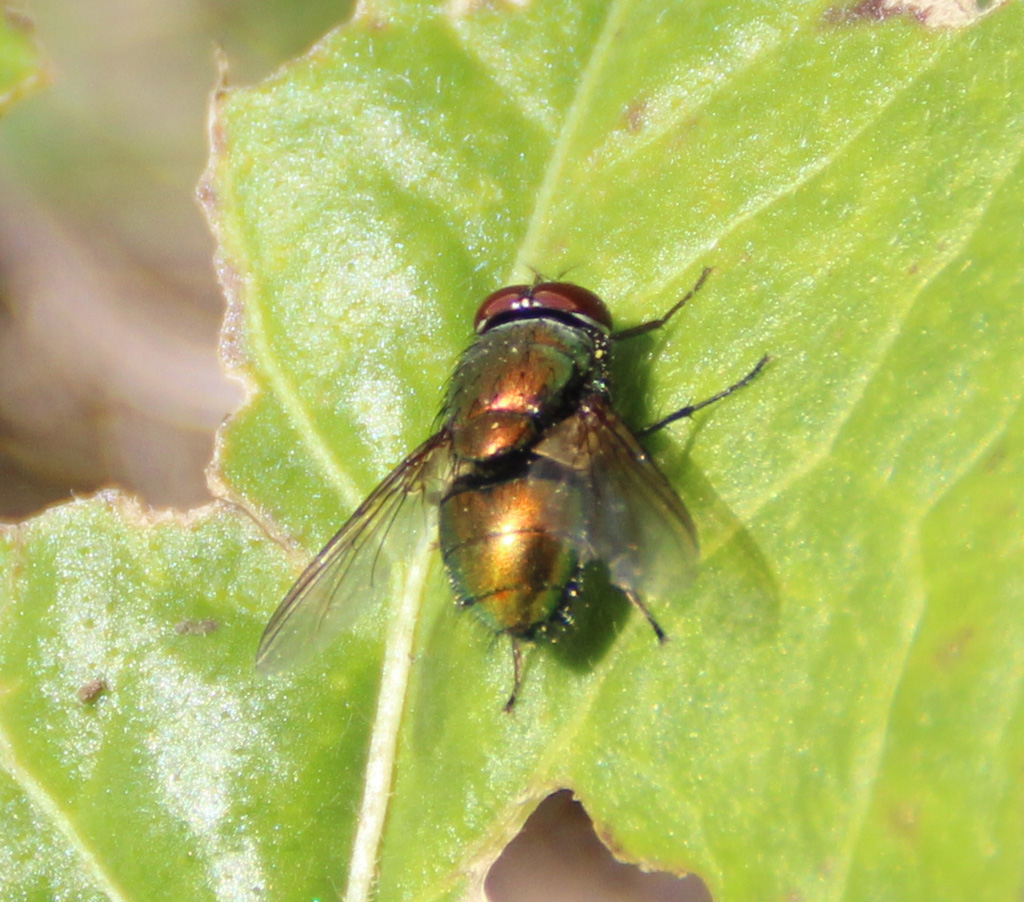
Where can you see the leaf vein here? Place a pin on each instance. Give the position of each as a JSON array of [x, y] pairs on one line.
[[50, 810]]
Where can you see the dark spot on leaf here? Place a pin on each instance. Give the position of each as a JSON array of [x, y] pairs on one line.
[[196, 627], [995, 457], [636, 116], [904, 820], [91, 691], [950, 653]]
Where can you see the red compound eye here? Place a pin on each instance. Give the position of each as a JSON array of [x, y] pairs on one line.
[[563, 297], [569, 298], [514, 297]]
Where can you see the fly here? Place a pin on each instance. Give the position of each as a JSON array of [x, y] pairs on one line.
[[531, 477]]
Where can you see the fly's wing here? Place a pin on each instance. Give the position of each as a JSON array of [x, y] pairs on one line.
[[353, 572], [635, 521]]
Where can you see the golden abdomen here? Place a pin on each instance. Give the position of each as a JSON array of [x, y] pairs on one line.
[[509, 549]]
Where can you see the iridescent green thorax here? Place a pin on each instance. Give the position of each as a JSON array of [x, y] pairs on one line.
[[517, 379]]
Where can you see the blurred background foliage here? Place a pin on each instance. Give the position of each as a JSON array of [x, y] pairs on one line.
[[109, 306]]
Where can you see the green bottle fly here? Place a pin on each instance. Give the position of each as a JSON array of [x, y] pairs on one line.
[[531, 477]]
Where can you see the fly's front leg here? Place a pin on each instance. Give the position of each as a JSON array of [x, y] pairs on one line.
[[691, 409], [653, 324]]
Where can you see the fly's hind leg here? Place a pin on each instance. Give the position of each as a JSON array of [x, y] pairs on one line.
[[517, 674], [634, 600]]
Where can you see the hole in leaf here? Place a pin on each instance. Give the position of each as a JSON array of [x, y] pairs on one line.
[[557, 855]]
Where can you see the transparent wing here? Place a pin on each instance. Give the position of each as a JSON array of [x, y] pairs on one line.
[[636, 523], [353, 572]]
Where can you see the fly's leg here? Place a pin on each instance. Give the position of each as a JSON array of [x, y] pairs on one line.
[[517, 674], [653, 324], [634, 600], [691, 409]]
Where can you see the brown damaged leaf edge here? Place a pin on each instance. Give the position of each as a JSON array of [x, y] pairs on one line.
[[561, 827], [930, 13], [231, 343]]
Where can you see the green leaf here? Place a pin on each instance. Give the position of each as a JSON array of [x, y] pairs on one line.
[[20, 70], [836, 715], [172, 782]]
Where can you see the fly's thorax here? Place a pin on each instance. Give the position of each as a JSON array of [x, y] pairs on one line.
[[518, 378], [511, 546]]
